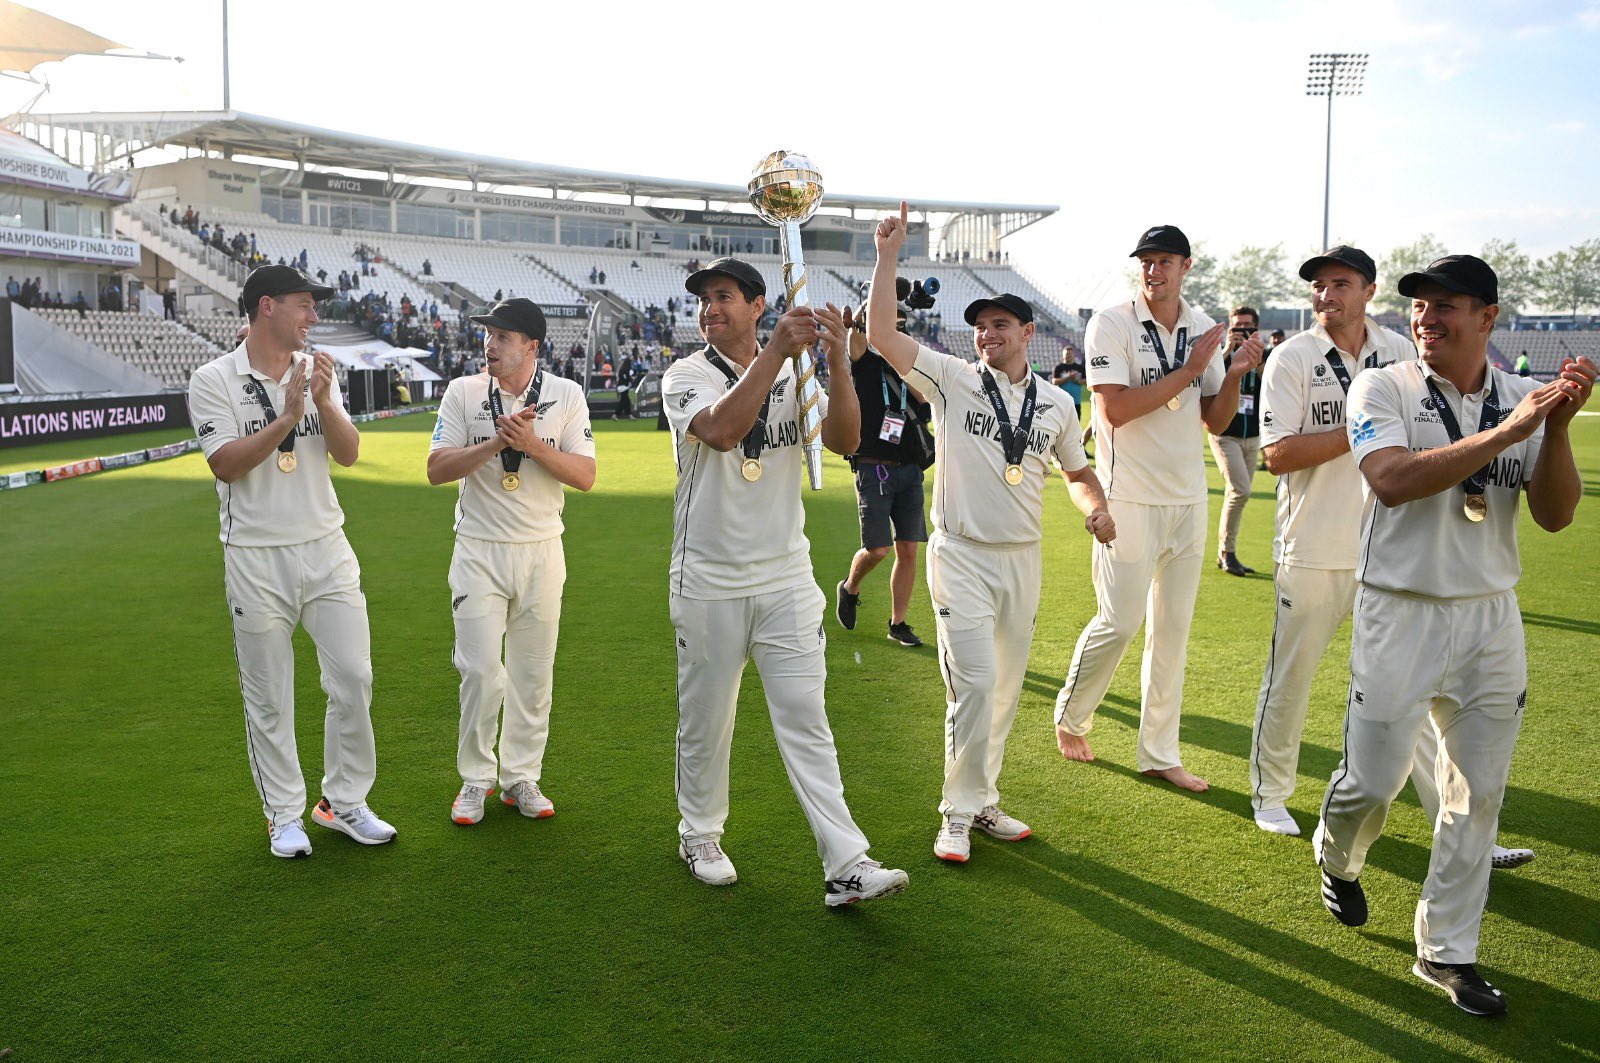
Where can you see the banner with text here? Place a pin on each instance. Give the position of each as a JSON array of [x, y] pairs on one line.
[[31, 243], [26, 423]]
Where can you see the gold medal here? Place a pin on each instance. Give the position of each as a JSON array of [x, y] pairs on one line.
[[751, 469], [1476, 508], [1013, 474], [286, 461], [510, 481], [1175, 402]]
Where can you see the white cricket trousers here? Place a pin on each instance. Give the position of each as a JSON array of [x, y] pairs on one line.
[[271, 589], [782, 630], [985, 600], [1152, 566], [1236, 460], [1463, 662], [505, 595], [1311, 603]]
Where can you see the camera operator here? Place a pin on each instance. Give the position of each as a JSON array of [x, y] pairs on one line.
[[895, 447]]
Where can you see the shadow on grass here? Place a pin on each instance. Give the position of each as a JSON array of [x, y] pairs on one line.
[[1133, 908], [1562, 623]]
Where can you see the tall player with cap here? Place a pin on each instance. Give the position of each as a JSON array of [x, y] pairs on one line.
[[1447, 447], [999, 425], [1155, 380], [741, 578], [285, 558], [513, 436]]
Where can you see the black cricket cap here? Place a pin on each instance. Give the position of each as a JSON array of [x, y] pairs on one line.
[[1168, 238], [1457, 273], [1342, 255], [747, 276], [278, 281], [1007, 302], [515, 315]]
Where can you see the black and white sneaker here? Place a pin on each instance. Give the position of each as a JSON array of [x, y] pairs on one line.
[[846, 608], [1505, 859], [1345, 899], [863, 882], [1471, 993], [903, 634]]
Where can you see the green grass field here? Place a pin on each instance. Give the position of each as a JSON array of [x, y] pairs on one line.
[[142, 917]]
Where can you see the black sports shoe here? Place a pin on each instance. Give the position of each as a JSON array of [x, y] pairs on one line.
[[1465, 985], [1346, 900], [903, 634], [1232, 566], [846, 609]]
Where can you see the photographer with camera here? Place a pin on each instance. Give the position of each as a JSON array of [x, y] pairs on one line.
[[896, 445]]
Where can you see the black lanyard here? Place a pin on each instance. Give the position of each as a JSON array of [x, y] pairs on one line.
[[1489, 418], [758, 431], [1013, 441], [1161, 351], [511, 458], [286, 444], [1337, 362]]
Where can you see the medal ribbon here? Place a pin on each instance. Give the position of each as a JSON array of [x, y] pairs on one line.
[[1342, 373], [1161, 351], [286, 444], [1013, 441], [1489, 418], [757, 435], [511, 457]]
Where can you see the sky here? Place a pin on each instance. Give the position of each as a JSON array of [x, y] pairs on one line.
[[1478, 119]]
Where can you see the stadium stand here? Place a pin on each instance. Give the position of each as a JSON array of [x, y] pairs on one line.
[[1545, 349], [164, 349]]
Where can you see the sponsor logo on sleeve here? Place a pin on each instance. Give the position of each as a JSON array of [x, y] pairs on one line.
[[1362, 430], [1099, 361], [683, 403], [205, 429]]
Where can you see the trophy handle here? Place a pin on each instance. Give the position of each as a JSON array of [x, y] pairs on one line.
[[807, 391]]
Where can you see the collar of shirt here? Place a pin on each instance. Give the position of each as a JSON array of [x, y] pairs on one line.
[[242, 366], [1325, 341], [1488, 379], [1186, 316]]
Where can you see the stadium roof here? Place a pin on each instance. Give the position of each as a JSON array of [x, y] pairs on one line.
[[122, 135]]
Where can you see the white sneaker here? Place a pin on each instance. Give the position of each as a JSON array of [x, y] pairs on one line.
[[468, 806], [708, 863], [289, 840], [1277, 821], [954, 842], [996, 824], [866, 880], [1505, 859], [358, 822], [526, 798]]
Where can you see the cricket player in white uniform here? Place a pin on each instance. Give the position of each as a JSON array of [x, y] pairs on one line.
[[997, 427], [1155, 380], [513, 436], [285, 558], [741, 578], [1447, 446], [1320, 507]]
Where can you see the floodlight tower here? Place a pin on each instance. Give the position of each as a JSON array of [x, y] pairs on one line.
[[1334, 74]]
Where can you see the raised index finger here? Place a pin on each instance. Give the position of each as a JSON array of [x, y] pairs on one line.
[[903, 210]]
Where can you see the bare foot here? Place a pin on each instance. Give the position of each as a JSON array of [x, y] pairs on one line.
[[1073, 747], [1180, 778]]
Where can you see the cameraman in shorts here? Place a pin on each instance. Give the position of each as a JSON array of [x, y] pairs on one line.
[[896, 445]]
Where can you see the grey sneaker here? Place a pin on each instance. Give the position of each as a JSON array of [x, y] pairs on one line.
[[526, 798], [358, 822], [708, 863], [865, 881], [289, 840], [468, 806]]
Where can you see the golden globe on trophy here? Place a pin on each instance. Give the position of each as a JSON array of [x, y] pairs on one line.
[[786, 190]]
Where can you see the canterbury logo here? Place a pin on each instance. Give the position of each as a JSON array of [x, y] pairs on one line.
[[1099, 361], [457, 603], [544, 407], [778, 389], [683, 403]]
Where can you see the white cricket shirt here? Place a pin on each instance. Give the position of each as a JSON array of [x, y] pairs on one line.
[[265, 506], [1320, 508], [970, 495], [485, 509], [1157, 459], [732, 538], [1428, 546]]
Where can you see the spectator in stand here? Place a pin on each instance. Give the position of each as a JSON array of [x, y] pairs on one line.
[[427, 267], [205, 234], [1523, 368], [305, 260], [322, 276], [80, 304], [13, 289], [499, 295]]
